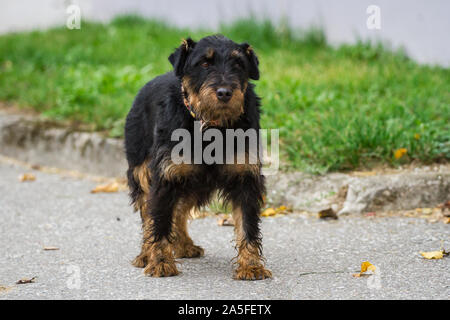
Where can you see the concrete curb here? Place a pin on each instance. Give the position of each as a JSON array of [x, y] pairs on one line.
[[40, 142], [36, 141]]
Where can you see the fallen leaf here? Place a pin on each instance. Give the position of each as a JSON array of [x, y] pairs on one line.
[[400, 153], [26, 280], [434, 254], [365, 266], [225, 220], [36, 167], [269, 212], [27, 177], [5, 289], [107, 188], [50, 248], [273, 211], [328, 214], [364, 173], [445, 205]]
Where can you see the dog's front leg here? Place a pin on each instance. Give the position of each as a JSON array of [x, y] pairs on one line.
[[246, 210]]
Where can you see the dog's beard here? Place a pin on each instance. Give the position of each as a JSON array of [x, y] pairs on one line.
[[212, 111]]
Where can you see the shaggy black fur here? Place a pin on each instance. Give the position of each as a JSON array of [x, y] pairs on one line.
[[159, 109]]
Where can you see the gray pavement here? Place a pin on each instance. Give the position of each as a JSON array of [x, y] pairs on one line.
[[98, 235]]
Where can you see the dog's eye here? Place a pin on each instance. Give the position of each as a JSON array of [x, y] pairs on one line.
[[205, 64]]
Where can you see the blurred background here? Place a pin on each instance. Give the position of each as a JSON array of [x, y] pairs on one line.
[[420, 26], [350, 84]]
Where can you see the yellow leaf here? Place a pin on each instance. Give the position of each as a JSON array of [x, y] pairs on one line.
[[109, 187], [433, 254], [400, 153], [268, 212], [27, 177], [416, 136], [365, 266]]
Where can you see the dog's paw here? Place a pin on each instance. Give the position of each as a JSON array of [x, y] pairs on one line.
[[140, 261], [161, 269], [252, 273], [189, 251]]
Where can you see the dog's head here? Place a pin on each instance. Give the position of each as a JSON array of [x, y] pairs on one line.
[[214, 73]]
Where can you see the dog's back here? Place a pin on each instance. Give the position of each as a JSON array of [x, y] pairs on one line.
[[141, 119]]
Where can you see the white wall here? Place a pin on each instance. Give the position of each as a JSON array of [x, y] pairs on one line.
[[421, 26]]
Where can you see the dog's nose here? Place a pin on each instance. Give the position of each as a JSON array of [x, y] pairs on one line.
[[224, 94]]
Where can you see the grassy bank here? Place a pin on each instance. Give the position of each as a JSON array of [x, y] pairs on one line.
[[336, 108]]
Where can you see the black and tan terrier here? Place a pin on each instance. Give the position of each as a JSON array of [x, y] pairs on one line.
[[209, 83]]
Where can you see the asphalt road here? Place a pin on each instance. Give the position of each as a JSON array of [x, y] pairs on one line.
[[98, 235]]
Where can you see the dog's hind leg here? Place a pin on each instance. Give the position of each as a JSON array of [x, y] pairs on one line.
[[139, 184], [183, 246]]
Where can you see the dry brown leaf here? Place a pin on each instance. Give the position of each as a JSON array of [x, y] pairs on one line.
[[50, 248], [27, 177], [328, 214], [434, 254], [364, 173], [365, 266], [107, 188], [225, 220], [5, 289], [445, 205], [26, 280]]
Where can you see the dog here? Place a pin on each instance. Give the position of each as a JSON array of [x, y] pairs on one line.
[[209, 84]]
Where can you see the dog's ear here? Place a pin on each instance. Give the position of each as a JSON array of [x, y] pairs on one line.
[[253, 70], [179, 56]]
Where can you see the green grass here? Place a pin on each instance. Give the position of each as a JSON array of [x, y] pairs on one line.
[[336, 108]]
